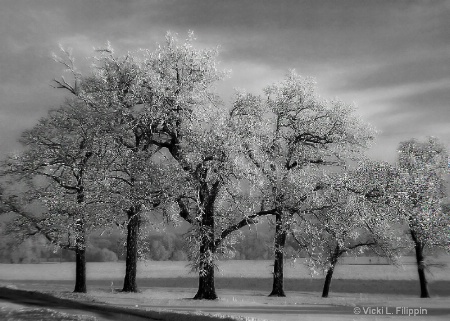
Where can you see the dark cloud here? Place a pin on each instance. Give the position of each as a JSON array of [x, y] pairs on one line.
[[390, 57]]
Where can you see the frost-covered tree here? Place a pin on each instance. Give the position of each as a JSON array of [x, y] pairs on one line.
[[290, 137], [199, 137], [164, 101], [209, 200], [115, 89], [353, 211], [56, 167], [424, 168]]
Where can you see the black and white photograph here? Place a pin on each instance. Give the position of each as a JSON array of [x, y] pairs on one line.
[[242, 160]]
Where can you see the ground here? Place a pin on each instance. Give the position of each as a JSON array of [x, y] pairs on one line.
[[243, 287]]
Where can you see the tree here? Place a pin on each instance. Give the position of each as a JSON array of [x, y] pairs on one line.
[[199, 138], [113, 91], [290, 137], [355, 210], [166, 101], [213, 206], [424, 166], [55, 168]]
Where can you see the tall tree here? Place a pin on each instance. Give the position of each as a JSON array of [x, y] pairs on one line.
[[165, 103], [115, 88], [114, 91], [296, 137], [197, 134], [210, 201], [424, 167]]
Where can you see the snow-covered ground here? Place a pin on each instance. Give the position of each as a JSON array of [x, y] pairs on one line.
[[161, 303], [247, 300], [231, 268]]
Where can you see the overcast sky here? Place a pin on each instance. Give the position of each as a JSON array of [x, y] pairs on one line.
[[390, 58]]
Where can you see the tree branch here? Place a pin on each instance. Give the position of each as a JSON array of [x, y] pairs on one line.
[[34, 222], [59, 181], [244, 222]]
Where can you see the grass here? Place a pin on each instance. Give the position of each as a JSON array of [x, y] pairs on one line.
[[227, 269], [237, 275]]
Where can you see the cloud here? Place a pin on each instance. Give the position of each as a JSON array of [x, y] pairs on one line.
[[390, 58], [421, 71]]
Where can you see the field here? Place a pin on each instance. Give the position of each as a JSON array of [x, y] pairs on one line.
[[243, 287], [227, 269]]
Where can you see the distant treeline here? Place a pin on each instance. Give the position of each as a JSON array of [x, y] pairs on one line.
[[111, 247], [164, 246]]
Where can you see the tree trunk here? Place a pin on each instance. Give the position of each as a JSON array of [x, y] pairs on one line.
[[206, 287], [80, 258], [333, 262], [420, 266], [134, 222], [280, 241]]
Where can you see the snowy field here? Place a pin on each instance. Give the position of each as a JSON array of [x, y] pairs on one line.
[[243, 287], [227, 269]]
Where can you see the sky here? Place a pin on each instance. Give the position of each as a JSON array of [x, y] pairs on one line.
[[391, 59]]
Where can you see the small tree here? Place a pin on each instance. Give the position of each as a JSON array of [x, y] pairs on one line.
[[56, 167], [424, 166], [131, 187], [353, 211]]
